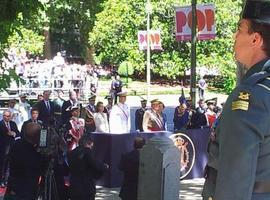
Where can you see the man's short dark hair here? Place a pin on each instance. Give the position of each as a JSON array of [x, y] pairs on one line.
[[139, 142], [46, 91], [32, 133], [85, 139], [264, 30], [34, 109]]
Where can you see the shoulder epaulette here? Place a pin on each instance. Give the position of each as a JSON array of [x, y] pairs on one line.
[[265, 83]]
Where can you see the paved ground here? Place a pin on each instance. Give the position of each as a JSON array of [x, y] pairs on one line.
[[189, 190]]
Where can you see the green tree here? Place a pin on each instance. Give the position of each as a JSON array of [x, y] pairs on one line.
[[28, 40], [9, 23], [114, 37], [70, 23]]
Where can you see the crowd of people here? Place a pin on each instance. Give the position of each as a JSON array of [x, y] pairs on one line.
[[238, 150], [79, 121], [22, 123], [55, 73]]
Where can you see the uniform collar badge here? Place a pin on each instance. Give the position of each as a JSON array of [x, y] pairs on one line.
[[244, 96]]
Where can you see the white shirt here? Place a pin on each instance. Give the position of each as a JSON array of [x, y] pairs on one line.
[[101, 122], [15, 115], [24, 113], [120, 119]]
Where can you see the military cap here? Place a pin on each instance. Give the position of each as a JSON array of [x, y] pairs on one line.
[[122, 94], [182, 100], [155, 101], [23, 95], [258, 10], [12, 101], [213, 100], [108, 97], [92, 97], [209, 102], [143, 101], [71, 108]]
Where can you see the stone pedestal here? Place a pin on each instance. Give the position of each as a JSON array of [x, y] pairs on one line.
[[159, 171]]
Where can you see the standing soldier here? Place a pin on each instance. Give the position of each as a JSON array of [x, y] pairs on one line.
[[120, 116], [76, 130], [152, 120], [109, 106], [139, 116], [88, 115], [14, 111], [24, 110], [242, 153]]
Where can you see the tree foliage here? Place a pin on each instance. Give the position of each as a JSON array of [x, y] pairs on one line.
[[9, 20], [114, 37], [70, 23], [28, 40], [13, 14]]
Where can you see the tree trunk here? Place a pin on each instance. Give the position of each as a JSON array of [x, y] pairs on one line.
[[89, 59], [47, 45]]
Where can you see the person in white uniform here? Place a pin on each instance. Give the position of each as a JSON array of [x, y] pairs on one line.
[[24, 110], [120, 116]]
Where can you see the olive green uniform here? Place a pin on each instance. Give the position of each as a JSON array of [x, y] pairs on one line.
[[242, 151]]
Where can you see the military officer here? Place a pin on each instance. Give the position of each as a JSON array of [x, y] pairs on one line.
[[120, 115], [242, 153], [88, 115], [139, 115], [108, 107], [152, 120], [24, 110]]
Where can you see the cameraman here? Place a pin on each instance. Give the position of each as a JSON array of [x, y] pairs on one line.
[[26, 166], [84, 169]]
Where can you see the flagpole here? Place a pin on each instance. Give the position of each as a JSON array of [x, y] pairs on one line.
[[193, 55], [148, 8]]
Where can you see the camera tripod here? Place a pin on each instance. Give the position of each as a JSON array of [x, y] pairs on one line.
[[48, 189]]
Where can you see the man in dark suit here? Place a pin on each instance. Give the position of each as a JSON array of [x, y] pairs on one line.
[[129, 164], [34, 118], [198, 118], [46, 109], [66, 114], [84, 169], [26, 166], [8, 132], [139, 116]]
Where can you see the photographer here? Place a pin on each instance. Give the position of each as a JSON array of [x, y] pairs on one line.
[[84, 169], [26, 166]]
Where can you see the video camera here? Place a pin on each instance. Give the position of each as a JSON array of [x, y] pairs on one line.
[[51, 141]]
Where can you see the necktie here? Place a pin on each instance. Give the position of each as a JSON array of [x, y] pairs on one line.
[[48, 106], [8, 126]]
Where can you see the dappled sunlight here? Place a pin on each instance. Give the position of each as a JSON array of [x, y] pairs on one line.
[[190, 190], [107, 193]]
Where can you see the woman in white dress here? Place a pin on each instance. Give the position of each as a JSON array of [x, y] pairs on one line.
[[101, 120]]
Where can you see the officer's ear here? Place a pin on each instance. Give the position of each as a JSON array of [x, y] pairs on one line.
[[257, 40]]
